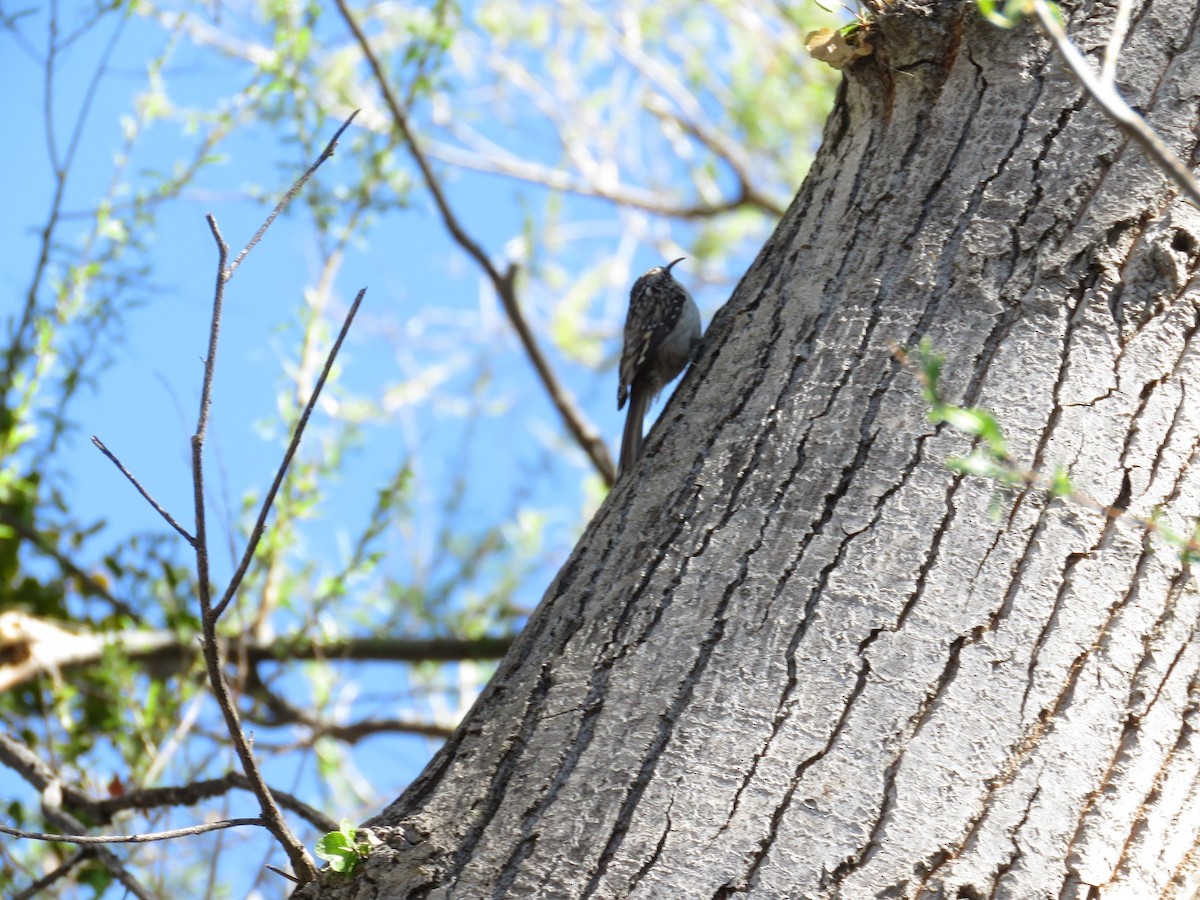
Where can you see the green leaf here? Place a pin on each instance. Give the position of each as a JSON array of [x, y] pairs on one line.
[[341, 850], [930, 364], [976, 463], [1007, 15], [975, 422], [1060, 484]]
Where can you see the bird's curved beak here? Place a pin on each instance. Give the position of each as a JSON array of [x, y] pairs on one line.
[[681, 259]]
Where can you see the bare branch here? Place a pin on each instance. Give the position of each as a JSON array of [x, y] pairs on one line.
[[1114, 104], [90, 839], [268, 501], [285, 713], [36, 773], [191, 794], [273, 819], [621, 195], [33, 646], [299, 857], [1116, 39], [110, 860], [210, 361], [583, 432], [141, 490], [287, 198], [62, 870], [40, 776]]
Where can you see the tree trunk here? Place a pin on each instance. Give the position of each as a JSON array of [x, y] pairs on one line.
[[796, 656]]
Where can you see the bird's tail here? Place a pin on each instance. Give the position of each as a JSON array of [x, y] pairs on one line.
[[631, 441]]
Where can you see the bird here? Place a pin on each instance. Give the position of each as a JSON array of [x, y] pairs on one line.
[[662, 331]]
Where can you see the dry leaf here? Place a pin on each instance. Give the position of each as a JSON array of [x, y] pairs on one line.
[[835, 49]]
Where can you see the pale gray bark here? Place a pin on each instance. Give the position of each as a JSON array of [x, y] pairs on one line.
[[794, 655]]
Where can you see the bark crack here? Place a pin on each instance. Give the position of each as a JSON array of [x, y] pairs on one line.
[[652, 860], [783, 706], [746, 882], [666, 727], [498, 785], [923, 714], [1182, 406], [1014, 857], [592, 705]]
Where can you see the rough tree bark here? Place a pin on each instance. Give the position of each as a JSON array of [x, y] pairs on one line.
[[794, 655]]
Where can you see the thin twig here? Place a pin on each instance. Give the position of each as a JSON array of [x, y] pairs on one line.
[[287, 875], [190, 794], [88, 839], [273, 819], [284, 713], [210, 361], [1114, 104], [62, 870], [68, 824], [16, 756], [261, 523], [738, 162], [353, 732], [691, 117], [1116, 40], [302, 862], [620, 195], [583, 432], [141, 490], [60, 169], [287, 198]]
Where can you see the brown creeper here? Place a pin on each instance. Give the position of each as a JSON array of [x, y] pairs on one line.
[[661, 332]]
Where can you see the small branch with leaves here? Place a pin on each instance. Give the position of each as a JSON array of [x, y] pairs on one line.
[[991, 459]]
